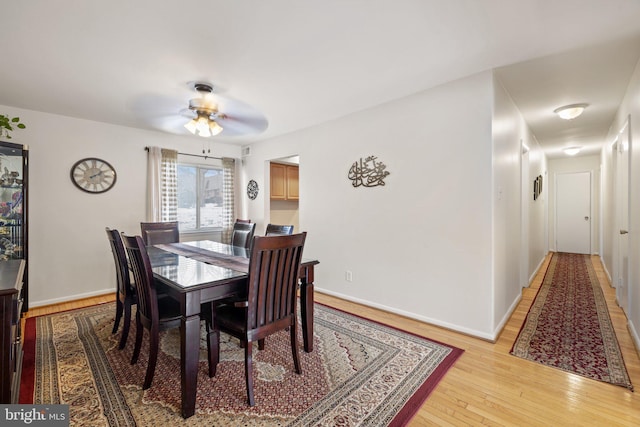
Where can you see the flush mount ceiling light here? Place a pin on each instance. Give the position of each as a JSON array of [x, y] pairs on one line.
[[570, 112], [572, 151], [206, 113]]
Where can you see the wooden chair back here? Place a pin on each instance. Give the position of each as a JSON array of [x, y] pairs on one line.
[[242, 234], [143, 278], [154, 233], [272, 283], [120, 259], [278, 230]]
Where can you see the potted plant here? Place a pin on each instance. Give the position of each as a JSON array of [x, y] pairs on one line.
[[7, 125]]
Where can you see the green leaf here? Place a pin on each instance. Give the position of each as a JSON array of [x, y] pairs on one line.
[[15, 119], [21, 126]]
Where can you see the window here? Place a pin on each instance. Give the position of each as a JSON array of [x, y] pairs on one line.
[[200, 197]]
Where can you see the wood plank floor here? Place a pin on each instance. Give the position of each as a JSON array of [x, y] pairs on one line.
[[489, 387]]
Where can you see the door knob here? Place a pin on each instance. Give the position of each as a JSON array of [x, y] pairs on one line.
[[624, 232], [586, 218]]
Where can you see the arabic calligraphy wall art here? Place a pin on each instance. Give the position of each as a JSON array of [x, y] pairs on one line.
[[368, 172]]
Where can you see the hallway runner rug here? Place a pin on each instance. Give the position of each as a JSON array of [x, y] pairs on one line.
[[568, 325], [361, 373]]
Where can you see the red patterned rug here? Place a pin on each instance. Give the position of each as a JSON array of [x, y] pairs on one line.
[[360, 373], [568, 326]]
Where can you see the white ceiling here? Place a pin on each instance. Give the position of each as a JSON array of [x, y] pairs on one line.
[[301, 63]]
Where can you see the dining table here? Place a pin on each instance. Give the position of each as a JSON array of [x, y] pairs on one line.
[[205, 271]]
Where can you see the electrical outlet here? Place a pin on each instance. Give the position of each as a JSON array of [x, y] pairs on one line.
[[348, 276]]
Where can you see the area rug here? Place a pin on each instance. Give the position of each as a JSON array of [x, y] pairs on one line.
[[568, 326], [360, 373]]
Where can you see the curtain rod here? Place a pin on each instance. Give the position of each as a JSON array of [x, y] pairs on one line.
[[193, 155]]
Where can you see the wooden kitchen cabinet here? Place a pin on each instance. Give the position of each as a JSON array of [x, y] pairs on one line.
[[292, 183], [284, 182]]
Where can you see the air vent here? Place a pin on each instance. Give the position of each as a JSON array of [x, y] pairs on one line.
[[246, 151]]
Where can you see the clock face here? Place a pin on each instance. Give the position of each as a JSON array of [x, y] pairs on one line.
[[93, 175], [252, 190]]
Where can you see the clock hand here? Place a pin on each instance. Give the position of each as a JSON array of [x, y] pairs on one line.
[[94, 175]]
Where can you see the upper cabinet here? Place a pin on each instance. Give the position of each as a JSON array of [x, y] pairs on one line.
[[284, 182]]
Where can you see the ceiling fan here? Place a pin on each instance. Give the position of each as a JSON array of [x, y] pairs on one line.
[[211, 114]]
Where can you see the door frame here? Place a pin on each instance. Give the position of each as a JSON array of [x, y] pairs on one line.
[[524, 214], [622, 272]]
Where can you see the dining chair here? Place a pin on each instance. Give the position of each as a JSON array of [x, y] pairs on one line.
[[126, 292], [154, 233], [278, 230], [156, 314], [271, 301], [242, 234]]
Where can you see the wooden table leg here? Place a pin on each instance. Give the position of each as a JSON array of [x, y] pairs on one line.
[[306, 300], [189, 352]]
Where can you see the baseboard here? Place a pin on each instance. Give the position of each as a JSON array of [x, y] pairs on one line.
[[537, 269], [34, 304], [606, 271], [424, 319], [506, 317], [634, 336]]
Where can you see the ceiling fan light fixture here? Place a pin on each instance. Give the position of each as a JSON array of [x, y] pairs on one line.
[[191, 126], [203, 126], [572, 151], [214, 128], [570, 112]]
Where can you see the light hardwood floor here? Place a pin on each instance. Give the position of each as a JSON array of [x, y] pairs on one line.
[[488, 386]]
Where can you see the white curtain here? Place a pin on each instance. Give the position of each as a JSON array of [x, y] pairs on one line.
[[162, 185], [228, 203]]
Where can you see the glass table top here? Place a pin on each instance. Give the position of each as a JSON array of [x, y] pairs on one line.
[[187, 272]]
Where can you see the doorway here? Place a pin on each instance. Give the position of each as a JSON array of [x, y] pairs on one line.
[[284, 197], [573, 212]]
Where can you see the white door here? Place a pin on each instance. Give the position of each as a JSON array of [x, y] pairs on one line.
[[622, 204], [573, 212]]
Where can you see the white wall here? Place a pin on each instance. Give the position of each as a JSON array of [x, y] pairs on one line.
[[630, 108], [576, 164], [421, 244], [69, 256], [512, 269], [436, 243], [538, 209]]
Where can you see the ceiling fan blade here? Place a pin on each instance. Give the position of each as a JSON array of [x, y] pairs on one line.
[[160, 112], [238, 118], [236, 126], [188, 113]]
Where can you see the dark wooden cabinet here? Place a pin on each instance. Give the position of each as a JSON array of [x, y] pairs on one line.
[[11, 299]]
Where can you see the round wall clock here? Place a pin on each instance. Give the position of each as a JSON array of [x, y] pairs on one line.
[[93, 175], [252, 189]]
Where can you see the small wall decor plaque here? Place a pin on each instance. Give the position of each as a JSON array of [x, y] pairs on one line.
[[368, 172], [252, 190], [537, 187]]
